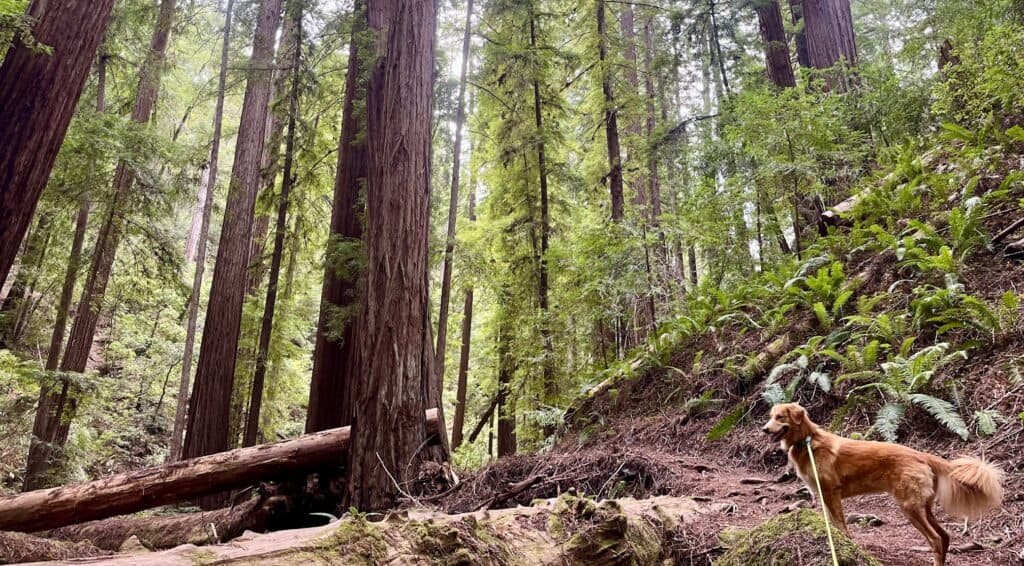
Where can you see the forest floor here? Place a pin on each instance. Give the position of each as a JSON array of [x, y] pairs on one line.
[[743, 482]]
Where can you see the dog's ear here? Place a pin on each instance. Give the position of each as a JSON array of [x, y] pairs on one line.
[[797, 414]]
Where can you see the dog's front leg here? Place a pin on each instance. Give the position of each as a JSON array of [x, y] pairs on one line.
[[834, 503]]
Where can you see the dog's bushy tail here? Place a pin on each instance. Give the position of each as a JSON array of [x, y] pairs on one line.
[[969, 487]]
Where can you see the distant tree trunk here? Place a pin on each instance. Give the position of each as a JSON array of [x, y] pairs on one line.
[[276, 120], [459, 418], [77, 242], [453, 206], [208, 417], [550, 387], [203, 239], [192, 241], [38, 95], [267, 327], [691, 258], [828, 25], [505, 402], [803, 56], [776, 46], [397, 377], [611, 119], [717, 47], [52, 431], [14, 310], [336, 355]]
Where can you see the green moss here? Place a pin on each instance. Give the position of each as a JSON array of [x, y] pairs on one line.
[[357, 540], [603, 534], [465, 542], [787, 538]]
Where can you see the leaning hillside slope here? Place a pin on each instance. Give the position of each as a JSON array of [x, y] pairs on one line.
[[904, 324]]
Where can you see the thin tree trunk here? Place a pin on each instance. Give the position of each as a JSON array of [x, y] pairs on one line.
[[717, 45], [504, 402], [208, 414], [52, 432], [336, 354], [78, 241], [459, 418], [776, 45], [256, 398], [192, 241], [611, 120], [203, 240], [17, 306], [796, 10], [550, 387], [453, 206], [38, 95], [397, 377]]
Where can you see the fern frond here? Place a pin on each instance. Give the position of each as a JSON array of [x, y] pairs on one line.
[[888, 419], [943, 411]]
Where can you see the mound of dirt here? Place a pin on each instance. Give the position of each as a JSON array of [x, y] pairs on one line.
[[793, 538]]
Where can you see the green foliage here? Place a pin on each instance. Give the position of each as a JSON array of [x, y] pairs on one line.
[[987, 80]]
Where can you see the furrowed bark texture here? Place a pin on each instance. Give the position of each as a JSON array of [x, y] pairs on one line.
[[203, 240], [336, 355], [208, 413], [776, 46], [38, 95], [397, 351]]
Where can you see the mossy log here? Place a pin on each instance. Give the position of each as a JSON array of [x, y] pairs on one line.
[[152, 487], [567, 530], [791, 538]]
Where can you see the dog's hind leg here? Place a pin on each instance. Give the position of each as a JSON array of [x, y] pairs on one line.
[[918, 516], [938, 527]]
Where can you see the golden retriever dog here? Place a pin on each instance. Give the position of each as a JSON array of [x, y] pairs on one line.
[[965, 487]]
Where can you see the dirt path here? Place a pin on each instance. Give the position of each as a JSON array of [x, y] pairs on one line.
[[742, 483]]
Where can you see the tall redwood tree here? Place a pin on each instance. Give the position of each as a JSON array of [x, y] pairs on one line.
[[336, 355], [396, 354], [208, 413], [38, 95]]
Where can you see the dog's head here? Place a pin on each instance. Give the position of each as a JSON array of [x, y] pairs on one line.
[[788, 424]]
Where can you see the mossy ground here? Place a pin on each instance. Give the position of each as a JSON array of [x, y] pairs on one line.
[[794, 538]]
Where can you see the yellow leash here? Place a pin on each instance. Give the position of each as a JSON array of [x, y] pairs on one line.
[[821, 496]]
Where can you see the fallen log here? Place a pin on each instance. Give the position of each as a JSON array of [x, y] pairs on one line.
[[143, 489]]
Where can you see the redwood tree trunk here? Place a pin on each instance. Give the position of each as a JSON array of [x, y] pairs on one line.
[[267, 327], [504, 401], [38, 95], [336, 355], [550, 387], [397, 355], [776, 46], [52, 431], [276, 120], [796, 9], [453, 203], [208, 413], [611, 119], [459, 418], [203, 239], [828, 25]]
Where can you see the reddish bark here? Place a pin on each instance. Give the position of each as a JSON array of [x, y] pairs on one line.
[[38, 95], [336, 355], [208, 414], [459, 418], [397, 356], [267, 326], [203, 240], [828, 26], [776, 46], [59, 412]]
